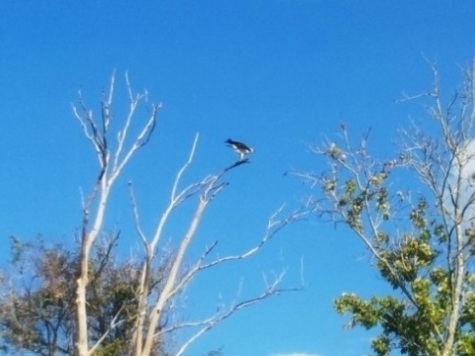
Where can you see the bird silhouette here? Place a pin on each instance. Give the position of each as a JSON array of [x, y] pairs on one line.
[[241, 149]]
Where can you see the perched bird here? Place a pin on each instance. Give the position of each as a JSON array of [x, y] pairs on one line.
[[240, 148]]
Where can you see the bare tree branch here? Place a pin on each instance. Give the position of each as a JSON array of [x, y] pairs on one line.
[[135, 210], [207, 324], [101, 189]]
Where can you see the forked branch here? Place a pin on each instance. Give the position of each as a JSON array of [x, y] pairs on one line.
[[97, 201]]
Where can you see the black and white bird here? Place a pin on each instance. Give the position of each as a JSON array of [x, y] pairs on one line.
[[240, 148]]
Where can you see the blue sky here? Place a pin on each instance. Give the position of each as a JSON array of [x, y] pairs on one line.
[[276, 74]]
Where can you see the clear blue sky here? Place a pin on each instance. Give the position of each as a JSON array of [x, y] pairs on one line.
[[276, 74]]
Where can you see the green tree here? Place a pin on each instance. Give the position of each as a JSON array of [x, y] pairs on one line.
[[421, 239], [37, 306]]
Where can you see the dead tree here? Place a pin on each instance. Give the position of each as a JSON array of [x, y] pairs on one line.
[[111, 164], [153, 299]]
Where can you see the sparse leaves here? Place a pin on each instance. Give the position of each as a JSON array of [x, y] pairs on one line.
[[424, 250]]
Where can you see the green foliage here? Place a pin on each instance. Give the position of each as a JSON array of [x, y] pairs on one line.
[[37, 310], [17, 249], [415, 326], [423, 248]]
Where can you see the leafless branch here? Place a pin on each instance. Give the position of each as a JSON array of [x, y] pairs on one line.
[[112, 326], [172, 284], [135, 210], [207, 324], [273, 227], [101, 188]]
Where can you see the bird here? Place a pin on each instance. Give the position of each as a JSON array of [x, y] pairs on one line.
[[240, 148]]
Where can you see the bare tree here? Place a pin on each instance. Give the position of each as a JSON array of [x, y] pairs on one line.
[[111, 165], [422, 247], [152, 299]]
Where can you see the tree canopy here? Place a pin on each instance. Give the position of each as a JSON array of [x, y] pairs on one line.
[[420, 236], [37, 312]]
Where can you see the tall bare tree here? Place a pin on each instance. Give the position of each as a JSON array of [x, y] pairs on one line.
[[111, 163], [420, 238], [152, 299]]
